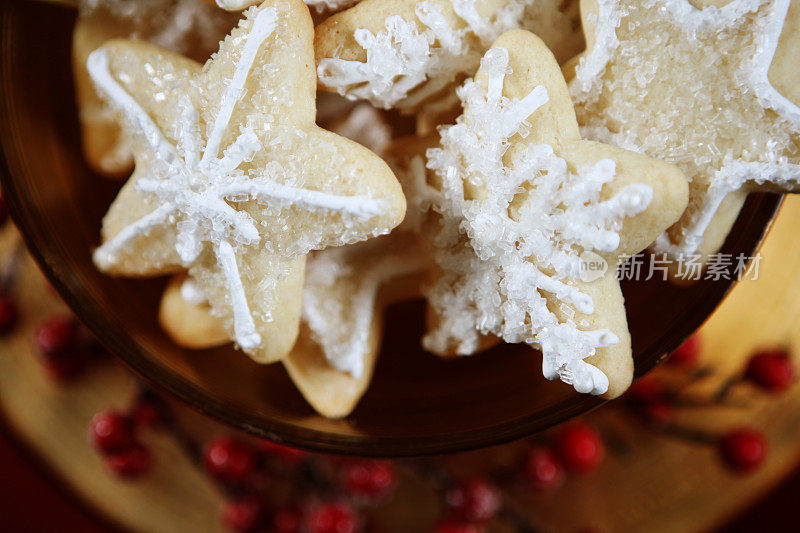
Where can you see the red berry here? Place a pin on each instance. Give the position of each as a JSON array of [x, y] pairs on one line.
[[56, 336], [474, 500], [332, 518], [369, 479], [543, 471], [110, 431], [453, 526], [229, 460], [9, 313], [772, 370], [56, 340], [743, 449], [288, 454], [579, 447], [287, 520], [243, 515], [687, 353], [130, 463]]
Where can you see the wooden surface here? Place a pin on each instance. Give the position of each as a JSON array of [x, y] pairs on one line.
[[656, 483]]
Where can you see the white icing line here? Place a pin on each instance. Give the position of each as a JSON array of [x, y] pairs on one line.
[[243, 326], [263, 26], [243, 149], [593, 64], [189, 134], [198, 206], [105, 256], [98, 67], [261, 188]]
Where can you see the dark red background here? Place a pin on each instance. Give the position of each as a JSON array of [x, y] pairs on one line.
[[31, 502]]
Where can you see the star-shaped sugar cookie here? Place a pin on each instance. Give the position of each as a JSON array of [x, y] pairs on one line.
[[534, 221], [692, 84], [346, 292], [234, 182], [346, 289], [409, 54]]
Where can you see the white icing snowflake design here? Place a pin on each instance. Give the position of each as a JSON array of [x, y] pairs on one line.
[[197, 190], [710, 93], [402, 58], [497, 259]]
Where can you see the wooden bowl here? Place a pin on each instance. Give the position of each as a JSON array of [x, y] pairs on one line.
[[417, 404]]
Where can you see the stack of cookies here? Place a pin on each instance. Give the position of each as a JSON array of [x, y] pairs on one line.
[[551, 142]]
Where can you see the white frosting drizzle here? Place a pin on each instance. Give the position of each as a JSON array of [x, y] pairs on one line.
[[495, 264], [262, 27], [700, 33], [199, 191], [401, 58]]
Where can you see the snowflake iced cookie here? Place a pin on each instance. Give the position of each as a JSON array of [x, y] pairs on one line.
[[408, 53], [534, 221], [345, 294], [187, 27], [695, 84], [234, 182]]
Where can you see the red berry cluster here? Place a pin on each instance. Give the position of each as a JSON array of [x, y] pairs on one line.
[[325, 492], [368, 479], [332, 517], [743, 450], [470, 504], [250, 514], [230, 461], [652, 401], [576, 449], [66, 346], [115, 434]]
